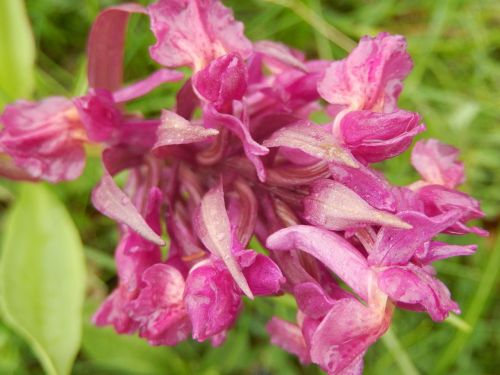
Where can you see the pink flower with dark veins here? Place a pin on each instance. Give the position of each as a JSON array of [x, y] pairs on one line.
[[236, 161], [46, 138]]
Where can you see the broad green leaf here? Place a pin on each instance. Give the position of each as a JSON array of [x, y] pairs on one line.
[[105, 347], [17, 52], [42, 278]]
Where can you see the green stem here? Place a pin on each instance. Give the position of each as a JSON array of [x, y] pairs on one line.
[[399, 353]]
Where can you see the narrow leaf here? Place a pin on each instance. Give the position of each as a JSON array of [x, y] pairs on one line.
[[42, 278]]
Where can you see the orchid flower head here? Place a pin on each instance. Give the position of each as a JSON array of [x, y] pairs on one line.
[[238, 161]]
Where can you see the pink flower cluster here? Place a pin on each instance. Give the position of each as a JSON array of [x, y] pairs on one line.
[[238, 157]]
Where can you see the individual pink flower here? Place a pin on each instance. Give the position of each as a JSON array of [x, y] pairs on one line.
[[438, 163], [194, 32], [44, 138], [373, 137], [159, 309], [370, 78]]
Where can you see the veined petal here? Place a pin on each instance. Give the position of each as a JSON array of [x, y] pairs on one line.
[[106, 45], [263, 275], [243, 212], [212, 225], [214, 119], [344, 335], [113, 312], [397, 246], [313, 140], [379, 136], [437, 163], [44, 138], [222, 81], [152, 216], [212, 299], [312, 300], [412, 285], [117, 159], [130, 268], [176, 130], [159, 308], [439, 199], [331, 249], [194, 32], [367, 183], [371, 76], [100, 115], [336, 207], [439, 250], [111, 201]]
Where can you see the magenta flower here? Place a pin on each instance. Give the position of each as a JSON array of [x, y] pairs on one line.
[[193, 33], [238, 157], [45, 139], [370, 78]]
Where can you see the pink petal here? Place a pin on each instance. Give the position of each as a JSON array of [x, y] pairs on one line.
[[112, 312], [313, 140], [279, 53], [345, 334], [9, 170], [397, 246], [194, 32], [111, 201], [374, 137], [437, 163], [106, 45], [100, 115], [212, 299], [214, 119], [152, 216], [368, 184], [290, 175], [222, 81], [146, 85], [334, 206], [212, 225], [263, 275], [440, 199], [371, 76], [182, 235], [159, 308], [440, 250], [288, 336], [117, 159], [412, 285], [331, 249], [130, 267], [186, 100], [243, 212], [175, 130], [45, 139], [312, 300]]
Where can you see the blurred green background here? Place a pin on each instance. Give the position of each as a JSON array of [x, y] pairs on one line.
[[455, 85]]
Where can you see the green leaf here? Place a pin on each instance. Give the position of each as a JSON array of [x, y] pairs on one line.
[[129, 353], [17, 52], [42, 278]]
